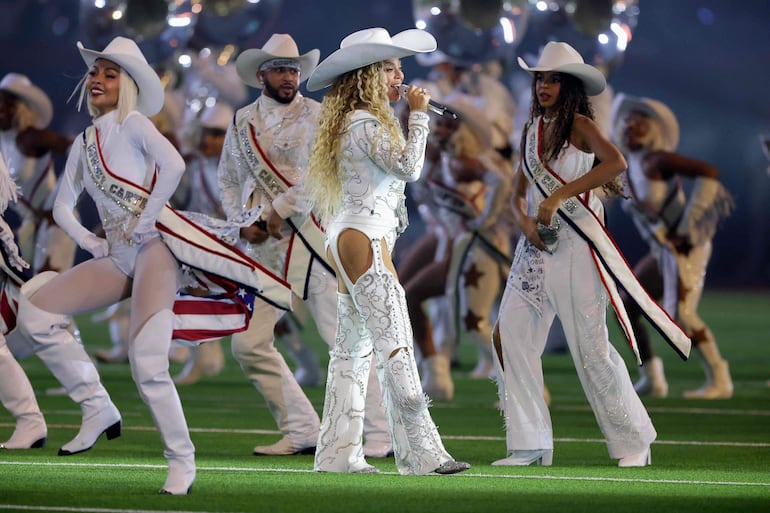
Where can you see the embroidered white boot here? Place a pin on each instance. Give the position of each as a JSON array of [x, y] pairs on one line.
[[416, 443], [340, 439]]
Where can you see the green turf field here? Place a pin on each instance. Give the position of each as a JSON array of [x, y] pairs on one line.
[[710, 456]]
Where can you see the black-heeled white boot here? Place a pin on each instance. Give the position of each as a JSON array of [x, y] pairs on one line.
[[68, 361]]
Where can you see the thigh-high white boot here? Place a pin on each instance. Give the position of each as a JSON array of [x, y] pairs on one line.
[[69, 363], [148, 357], [323, 301], [381, 303], [340, 447], [18, 398]]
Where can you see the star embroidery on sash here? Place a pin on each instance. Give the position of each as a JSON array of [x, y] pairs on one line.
[[472, 276]]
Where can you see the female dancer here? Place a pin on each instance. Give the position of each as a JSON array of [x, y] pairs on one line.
[[563, 262], [122, 147], [679, 229], [358, 170]]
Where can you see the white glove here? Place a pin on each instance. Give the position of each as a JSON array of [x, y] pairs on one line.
[[11, 249], [97, 246]]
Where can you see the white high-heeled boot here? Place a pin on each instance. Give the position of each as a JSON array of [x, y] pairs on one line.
[[69, 363], [381, 301], [148, 357], [339, 447], [18, 398]]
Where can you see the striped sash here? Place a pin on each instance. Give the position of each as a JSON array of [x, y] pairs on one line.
[[209, 259], [610, 262], [307, 240]]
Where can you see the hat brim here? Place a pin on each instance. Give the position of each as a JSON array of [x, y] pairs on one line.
[[150, 98], [403, 44], [248, 62], [624, 104], [37, 100], [593, 79]]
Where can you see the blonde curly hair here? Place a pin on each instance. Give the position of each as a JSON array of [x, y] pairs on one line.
[[362, 88]]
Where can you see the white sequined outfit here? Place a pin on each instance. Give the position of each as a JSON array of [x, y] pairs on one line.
[[127, 160], [565, 283], [373, 318]]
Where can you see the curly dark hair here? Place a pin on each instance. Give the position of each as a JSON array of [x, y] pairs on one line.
[[572, 99]]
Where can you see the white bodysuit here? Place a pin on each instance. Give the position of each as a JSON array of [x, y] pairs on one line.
[[124, 148]]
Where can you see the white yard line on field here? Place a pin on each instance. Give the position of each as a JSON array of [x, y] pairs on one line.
[[462, 475]]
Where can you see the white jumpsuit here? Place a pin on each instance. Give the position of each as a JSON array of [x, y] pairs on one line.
[[565, 283]]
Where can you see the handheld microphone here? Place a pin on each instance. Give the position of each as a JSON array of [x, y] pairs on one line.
[[439, 109]]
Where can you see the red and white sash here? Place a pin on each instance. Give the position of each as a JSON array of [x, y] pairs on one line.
[[219, 265], [610, 262], [307, 240]]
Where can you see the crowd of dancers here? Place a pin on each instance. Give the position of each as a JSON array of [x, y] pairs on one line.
[[302, 203]]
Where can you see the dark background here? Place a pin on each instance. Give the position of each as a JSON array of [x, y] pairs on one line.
[[709, 60]]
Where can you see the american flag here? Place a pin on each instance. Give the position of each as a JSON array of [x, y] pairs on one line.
[[227, 310]]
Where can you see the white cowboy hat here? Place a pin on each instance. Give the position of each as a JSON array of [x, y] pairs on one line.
[[658, 111], [562, 58], [366, 47], [220, 115], [30, 94], [279, 46], [125, 53]]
